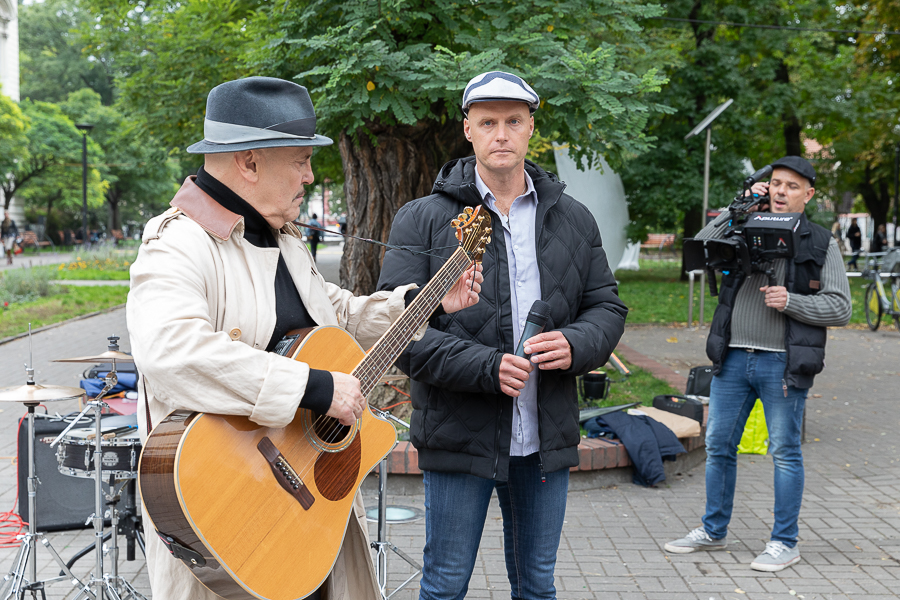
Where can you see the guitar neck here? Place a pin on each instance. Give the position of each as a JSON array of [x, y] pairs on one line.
[[386, 350]]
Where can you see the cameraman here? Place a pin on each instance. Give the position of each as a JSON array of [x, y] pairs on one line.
[[768, 342]]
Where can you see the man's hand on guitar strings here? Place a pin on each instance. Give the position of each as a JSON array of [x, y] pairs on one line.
[[465, 292], [347, 403]]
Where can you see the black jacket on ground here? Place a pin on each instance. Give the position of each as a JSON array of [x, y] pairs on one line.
[[647, 441], [804, 343], [462, 422]]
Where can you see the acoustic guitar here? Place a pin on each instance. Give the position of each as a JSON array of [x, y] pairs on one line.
[[258, 512]]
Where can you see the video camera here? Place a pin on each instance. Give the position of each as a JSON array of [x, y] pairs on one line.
[[752, 241]]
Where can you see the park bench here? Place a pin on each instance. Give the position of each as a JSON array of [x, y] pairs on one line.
[[659, 242], [117, 235], [30, 238]]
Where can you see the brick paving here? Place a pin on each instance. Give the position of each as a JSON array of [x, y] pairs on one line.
[[612, 541]]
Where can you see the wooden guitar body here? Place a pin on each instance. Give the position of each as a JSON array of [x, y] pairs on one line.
[[255, 518]]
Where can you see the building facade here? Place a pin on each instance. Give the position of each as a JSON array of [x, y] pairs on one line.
[[9, 71], [9, 49]]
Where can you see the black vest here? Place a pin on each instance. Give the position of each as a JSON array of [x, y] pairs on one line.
[[805, 344]]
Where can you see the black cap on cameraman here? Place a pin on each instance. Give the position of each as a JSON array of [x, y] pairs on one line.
[[798, 165]]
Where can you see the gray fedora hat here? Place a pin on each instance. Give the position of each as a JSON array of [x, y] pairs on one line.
[[258, 112]]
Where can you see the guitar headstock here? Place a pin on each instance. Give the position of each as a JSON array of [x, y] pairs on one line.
[[473, 230]]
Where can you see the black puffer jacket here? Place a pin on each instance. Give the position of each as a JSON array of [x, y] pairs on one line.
[[462, 422]]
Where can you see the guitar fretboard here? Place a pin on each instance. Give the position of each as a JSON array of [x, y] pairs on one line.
[[395, 339]]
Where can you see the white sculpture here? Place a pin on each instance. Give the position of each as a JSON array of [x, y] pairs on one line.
[[603, 194]]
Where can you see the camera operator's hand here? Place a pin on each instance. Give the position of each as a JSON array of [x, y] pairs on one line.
[[761, 188], [776, 296]]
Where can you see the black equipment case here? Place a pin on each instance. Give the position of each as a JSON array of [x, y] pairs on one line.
[[699, 381], [679, 405]]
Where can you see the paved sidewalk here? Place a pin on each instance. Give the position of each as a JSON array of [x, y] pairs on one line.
[[613, 537]]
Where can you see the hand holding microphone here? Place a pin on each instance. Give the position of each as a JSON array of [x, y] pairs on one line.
[[514, 368], [548, 350], [534, 324]]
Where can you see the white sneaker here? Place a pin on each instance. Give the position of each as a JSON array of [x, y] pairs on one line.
[[776, 557], [696, 540]]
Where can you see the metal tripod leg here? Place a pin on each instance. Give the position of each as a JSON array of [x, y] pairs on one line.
[[381, 545], [15, 584]]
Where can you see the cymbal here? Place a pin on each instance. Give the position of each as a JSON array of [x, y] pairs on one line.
[[108, 356], [39, 393]]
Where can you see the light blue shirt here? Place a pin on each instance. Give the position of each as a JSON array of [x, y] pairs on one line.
[[525, 288]]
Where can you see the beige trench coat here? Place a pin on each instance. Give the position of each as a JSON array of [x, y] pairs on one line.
[[200, 312]]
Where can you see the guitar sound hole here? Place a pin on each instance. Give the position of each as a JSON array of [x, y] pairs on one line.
[[330, 430]]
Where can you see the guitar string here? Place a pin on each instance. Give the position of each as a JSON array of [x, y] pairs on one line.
[[421, 307], [432, 293], [431, 252]]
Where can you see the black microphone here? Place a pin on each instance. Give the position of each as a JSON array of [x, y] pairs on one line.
[[761, 174], [534, 324]]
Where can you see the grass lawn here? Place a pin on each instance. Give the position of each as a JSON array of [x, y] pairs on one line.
[[91, 274], [656, 295], [640, 386], [74, 302]]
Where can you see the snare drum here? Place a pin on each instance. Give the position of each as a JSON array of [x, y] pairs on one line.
[[75, 454]]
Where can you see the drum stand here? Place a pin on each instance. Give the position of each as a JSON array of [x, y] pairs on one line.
[[15, 585], [381, 544], [106, 587]]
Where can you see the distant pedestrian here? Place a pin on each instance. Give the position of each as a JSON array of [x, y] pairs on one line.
[[342, 221], [854, 236], [313, 236], [879, 240], [8, 233]]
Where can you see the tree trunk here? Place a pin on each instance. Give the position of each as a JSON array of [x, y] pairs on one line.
[[876, 196], [379, 178], [791, 127], [112, 200], [49, 221]]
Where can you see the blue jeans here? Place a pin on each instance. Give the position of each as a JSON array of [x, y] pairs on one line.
[[456, 506], [746, 376]]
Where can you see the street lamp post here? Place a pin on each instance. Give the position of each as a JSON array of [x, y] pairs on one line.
[[707, 125], [85, 128]]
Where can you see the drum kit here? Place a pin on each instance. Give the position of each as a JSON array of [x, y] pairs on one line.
[[108, 449]]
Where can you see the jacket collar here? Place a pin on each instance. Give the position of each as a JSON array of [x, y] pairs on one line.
[[457, 180], [205, 211]]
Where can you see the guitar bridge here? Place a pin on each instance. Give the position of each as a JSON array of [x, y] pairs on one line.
[[286, 476]]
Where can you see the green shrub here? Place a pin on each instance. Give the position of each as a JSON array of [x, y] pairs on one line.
[[25, 285]]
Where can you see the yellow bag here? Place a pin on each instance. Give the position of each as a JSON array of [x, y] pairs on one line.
[[756, 435]]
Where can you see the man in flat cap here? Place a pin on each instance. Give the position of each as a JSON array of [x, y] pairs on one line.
[[486, 419], [223, 275], [768, 342]]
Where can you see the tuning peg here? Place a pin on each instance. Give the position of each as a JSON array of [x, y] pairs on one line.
[[468, 210], [461, 217], [455, 223]]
